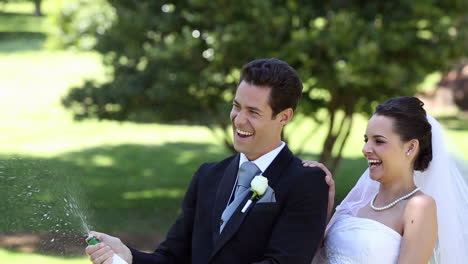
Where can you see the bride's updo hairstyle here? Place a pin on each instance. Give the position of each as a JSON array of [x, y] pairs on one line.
[[410, 122]]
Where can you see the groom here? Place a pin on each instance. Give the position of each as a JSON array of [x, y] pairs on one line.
[[285, 225]]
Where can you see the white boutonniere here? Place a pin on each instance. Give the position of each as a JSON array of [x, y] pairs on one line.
[[258, 185]]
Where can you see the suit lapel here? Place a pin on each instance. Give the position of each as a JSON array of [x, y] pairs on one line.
[[231, 226], [225, 188], [281, 162], [273, 173]]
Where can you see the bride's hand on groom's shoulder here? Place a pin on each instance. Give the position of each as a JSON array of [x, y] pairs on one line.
[[328, 179]]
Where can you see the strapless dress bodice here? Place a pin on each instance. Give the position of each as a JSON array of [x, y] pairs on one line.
[[354, 240]]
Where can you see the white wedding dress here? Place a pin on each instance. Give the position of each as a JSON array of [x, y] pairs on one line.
[[355, 240]]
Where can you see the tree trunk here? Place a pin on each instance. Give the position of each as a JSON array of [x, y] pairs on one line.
[[312, 132], [337, 129], [329, 142], [222, 123], [228, 140], [37, 8], [225, 137], [338, 156]]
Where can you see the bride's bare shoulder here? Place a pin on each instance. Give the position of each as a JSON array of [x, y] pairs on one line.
[[421, 205], [421, 200]]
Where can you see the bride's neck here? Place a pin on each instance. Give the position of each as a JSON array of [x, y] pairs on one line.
[[391, 190]]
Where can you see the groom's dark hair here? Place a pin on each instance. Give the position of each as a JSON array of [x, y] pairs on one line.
[[285, 84]]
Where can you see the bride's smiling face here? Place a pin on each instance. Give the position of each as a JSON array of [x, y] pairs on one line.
[[384, 150]]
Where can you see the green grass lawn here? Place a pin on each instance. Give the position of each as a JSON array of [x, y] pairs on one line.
[[21, 258], [123, 177]]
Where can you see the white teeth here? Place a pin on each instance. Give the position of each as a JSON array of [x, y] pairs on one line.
[[372, 161], [245, 133]]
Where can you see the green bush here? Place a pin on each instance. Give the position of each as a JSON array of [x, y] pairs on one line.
[[79, 23]]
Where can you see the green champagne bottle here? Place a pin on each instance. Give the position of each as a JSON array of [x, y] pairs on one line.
[[115, 259], [93, 241]]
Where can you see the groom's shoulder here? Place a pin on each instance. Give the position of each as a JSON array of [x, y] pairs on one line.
[[296, 164], [298, 172], [298, 183]]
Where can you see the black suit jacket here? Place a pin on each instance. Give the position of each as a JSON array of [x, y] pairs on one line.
[[287, 231]]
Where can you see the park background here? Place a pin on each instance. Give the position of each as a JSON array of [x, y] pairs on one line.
[[108, 107]]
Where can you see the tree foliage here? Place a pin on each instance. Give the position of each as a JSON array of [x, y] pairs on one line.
[[78, 23], [180, 60], [37, 5]]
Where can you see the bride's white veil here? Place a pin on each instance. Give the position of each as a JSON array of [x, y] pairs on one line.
[[445, 180]]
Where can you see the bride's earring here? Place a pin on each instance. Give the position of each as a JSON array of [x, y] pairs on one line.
[[409, 150]]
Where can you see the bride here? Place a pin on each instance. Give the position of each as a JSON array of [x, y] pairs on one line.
[[410, 205]]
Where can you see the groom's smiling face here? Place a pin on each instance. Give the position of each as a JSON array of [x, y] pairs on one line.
[[256, 131]]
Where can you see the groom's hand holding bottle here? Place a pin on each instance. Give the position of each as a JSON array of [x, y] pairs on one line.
[[103, 252]]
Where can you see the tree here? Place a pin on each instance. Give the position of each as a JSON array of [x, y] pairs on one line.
[[78, 23], [180, 60], [367, 53], [37, 7]]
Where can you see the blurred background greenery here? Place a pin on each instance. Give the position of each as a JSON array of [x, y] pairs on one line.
[[108, 107]]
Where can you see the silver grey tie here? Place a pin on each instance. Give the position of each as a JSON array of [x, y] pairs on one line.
[[245, 175]]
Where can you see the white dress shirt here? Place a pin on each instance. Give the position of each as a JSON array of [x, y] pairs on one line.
[[265, 160]]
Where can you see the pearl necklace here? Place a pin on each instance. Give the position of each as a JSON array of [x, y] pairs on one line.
[[392, 203]]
